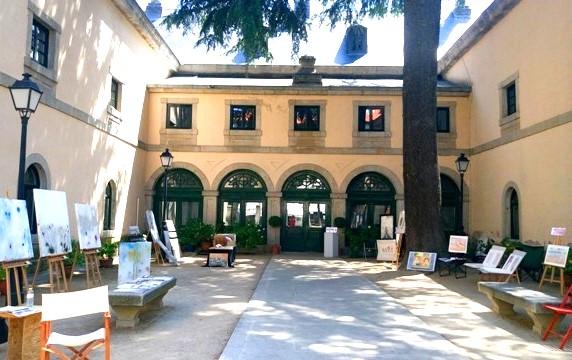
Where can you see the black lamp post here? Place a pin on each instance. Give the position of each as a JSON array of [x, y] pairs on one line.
[[26, 96], [462, 163], [166, 160]]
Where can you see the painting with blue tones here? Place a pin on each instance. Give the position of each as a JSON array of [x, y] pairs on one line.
[[53, 222], [87, 228], [15, 237], [134, 261]]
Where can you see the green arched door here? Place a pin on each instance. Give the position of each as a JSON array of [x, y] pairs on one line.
[[306, 208], [242, 199], [450, 206], [184, 197], [370, 195]]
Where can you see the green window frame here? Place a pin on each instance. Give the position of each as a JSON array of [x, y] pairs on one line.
[[242, 117], [443, 122], [40, 46], [242, 199], [306, 118], [179, 116]]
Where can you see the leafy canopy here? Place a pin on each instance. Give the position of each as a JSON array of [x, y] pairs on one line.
[[247, 25]]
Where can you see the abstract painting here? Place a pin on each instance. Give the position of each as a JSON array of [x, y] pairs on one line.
[[53, 222], [134, 261], [15, 238], [87, 228]]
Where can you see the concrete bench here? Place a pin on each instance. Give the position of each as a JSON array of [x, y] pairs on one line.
[[130, 299], [505, 297]]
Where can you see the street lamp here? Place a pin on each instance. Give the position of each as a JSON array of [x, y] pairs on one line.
[[462, 164], [166, 160], [26, 96]]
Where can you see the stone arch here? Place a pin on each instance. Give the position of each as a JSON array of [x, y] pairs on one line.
[[393, 178], [505, 208], [150, 183], [241, 166], [302, 167], [454, 175], [43, 169]]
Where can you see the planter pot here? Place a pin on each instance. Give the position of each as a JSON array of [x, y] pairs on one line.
[[106, 263]]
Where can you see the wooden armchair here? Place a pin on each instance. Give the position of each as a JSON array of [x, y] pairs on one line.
[[565, 308]]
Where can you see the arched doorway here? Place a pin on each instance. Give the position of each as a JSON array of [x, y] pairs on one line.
[[370, 195], [450, 206], [242, 199], [109, 206], [514, 223], [184, 197], [32, 180], [306, 208]]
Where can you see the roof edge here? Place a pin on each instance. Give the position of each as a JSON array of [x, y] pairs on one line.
[[136, 16], [486, 21]]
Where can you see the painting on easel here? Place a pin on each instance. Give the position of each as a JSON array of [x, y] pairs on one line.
[[53, 222], [87, 228], [134, 261], [15, 238]]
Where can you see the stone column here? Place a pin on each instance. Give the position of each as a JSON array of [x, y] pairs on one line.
[[209, 206], [273, 209], [339, 210]]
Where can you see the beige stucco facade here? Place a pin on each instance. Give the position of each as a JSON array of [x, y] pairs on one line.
[[81, 144]]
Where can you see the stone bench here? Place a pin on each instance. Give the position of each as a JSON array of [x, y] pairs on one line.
[[130, 299], [505, 297]]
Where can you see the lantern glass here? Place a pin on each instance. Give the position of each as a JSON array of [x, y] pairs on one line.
[[166, 159], [462, 163]]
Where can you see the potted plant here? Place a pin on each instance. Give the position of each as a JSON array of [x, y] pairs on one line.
[[106, 253], [250, 237], [197, 234], [275, 221]]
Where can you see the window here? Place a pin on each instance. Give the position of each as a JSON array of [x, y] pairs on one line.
[[307, 118], [179, 116], [443, 117], [510, 93], [184, 197], [108, 207], [242, 199], [115, 99], [242, 117], [371, 118], [39, 49]]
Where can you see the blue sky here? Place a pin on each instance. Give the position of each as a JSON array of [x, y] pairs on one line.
[[385, 39]]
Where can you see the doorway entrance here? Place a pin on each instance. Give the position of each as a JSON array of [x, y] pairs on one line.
[[306, 208]]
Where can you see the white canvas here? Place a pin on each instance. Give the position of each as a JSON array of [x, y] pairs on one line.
[[152, 226], [134, 261], [53, 222], [87, 228], [401, 223], [387, 250], [556, 255], [386, 225], [558, 231], [15, 237], [171, 234]]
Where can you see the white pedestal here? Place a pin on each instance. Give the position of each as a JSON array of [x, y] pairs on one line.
[[330, 245]]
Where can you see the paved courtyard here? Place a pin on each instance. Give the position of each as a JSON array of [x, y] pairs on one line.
[[305, 307]]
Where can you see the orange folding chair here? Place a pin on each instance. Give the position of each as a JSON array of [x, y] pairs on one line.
[[73, 305], [565, 308]]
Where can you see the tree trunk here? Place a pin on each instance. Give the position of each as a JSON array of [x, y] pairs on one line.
[[420, 166]]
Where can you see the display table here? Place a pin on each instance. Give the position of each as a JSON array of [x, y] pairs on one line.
[[23, 331]]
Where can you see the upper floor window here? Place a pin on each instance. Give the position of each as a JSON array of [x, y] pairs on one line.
[[443, 120], [510, 93], [115, 98], [242, 117], [307, 118], [179, 116], [39, 49], [371, 118]]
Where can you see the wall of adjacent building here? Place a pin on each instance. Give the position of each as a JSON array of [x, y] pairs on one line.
[[78, 141], [533, 153]]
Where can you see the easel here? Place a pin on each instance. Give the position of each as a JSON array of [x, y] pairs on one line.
[[158, 255], [92, 274], [13, 267], [55, 271], [557, 241]]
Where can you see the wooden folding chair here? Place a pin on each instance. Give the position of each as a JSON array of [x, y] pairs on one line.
[[72, 305], [510, 267], [565, 308]]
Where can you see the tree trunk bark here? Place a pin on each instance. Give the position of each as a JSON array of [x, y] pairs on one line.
[[420, 165]]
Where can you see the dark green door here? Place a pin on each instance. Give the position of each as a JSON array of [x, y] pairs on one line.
[[305, 225]]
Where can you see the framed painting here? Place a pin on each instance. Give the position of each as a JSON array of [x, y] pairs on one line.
[[421, 261], [15, 237], [458, 244], [87, 228], [53, 222], [556, 255], [387, 250], [134, 261], [558, 231], [401, 223], [386, 226]]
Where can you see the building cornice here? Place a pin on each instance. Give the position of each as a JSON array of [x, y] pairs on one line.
[[486, 21], [136, 16]]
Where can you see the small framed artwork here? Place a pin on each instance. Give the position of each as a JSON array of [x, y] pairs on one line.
[[401, 223], [421, 261], [558, 231], [387, 250], [218, 259], [458, 244], [556, 255], [386, 225]]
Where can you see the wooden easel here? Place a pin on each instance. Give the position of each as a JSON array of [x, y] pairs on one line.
[[158, 255], [55, 271], [92, 274], [560, 280], [14, 266]]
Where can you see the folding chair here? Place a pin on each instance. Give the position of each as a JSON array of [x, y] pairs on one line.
[[510, 267], [492, 259], [71, 305], [565, 308]]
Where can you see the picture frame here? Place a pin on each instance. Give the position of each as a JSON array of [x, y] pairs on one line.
[[386, 227], [458, 244], [558, 231], [401, 223], [387, 250], [556, 255], [421, 261]]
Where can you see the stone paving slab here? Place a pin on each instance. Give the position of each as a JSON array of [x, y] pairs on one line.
[[314, 309]]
